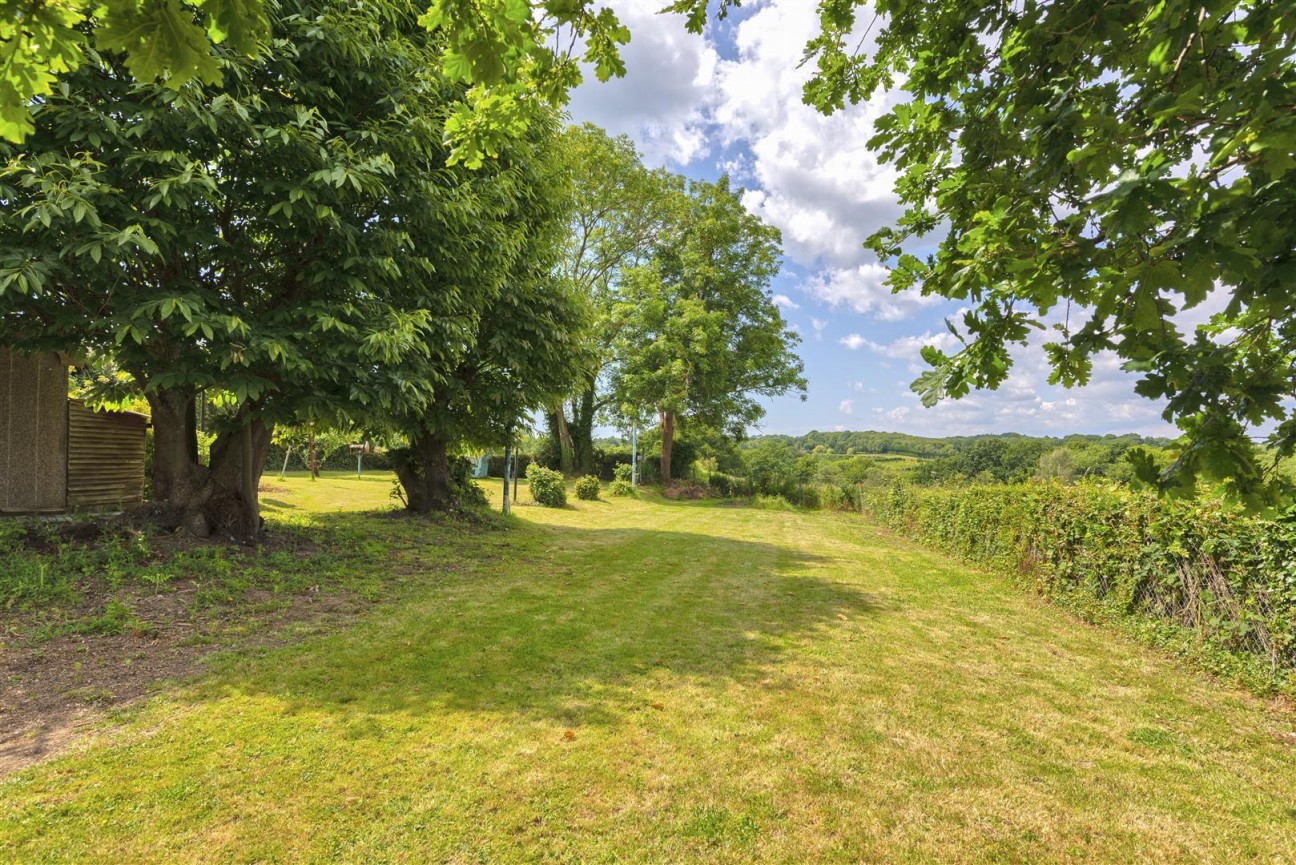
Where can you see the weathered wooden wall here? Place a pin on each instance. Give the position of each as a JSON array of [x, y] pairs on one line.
[[105, 462], [33, 433]]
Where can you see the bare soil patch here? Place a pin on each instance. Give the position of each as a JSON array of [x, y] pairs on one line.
[[53, 689]]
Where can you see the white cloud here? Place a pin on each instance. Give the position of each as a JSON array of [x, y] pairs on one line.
[[1026, 402], [863, 289], [909, 348], [846, 406], [817, 179], [785, 302], [854, 341], [662, 101]]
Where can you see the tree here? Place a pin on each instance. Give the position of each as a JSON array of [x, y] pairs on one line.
[[527, 348], [1108, 164], [265, 237], [1057, 465], [697, 331], [169, 41], [618, 210]]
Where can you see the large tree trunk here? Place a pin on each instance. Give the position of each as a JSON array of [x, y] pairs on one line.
[[424, 474], [564, 440], [177, 477], [191, 429], [582, 432], [220, 497], [668, 441]]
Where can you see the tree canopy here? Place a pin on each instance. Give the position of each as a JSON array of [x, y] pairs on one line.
[[293, 235], [528, 342], [1097, 169], [172, 41], [697, 333]]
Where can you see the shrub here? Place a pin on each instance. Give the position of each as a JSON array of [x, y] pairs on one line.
[[606, 462], [621, 488], [622, 472], [548, 487], [587, 488]]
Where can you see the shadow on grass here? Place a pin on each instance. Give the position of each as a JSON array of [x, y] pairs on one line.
[[567, 624]]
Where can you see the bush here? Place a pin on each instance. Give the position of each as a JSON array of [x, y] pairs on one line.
[[608, 461], [728, 486], [1213, 583], [622, 472], [548, 487], [587, 488], [621, 488]]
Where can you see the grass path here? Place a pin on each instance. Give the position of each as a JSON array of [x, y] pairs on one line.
[[644, 681]]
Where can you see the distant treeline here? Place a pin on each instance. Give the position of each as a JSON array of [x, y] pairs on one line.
[[1003, 458]]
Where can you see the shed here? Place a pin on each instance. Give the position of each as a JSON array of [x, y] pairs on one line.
[[56, 455]]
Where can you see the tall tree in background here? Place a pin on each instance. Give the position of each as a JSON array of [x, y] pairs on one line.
[[618, 210], [698, 334], [264, 238]]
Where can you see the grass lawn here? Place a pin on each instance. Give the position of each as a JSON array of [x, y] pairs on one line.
[[651, 681]]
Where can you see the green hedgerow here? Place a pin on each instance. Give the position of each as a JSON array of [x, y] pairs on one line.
[[587, 488], [548, 487]]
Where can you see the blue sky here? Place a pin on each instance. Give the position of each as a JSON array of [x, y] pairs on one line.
[[731, 102]]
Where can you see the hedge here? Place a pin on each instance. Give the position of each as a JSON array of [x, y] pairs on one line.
[[495, 465], [1197, 577]]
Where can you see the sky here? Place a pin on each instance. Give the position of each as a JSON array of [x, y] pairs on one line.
[[730, 102]]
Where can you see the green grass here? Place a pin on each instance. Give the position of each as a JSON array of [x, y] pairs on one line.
[[637, 680]]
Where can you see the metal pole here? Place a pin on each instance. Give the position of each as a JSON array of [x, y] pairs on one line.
[[508, 456], [634, 456], [359, 456]]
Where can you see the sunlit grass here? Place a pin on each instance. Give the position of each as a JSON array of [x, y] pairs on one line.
[[651, 681]]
